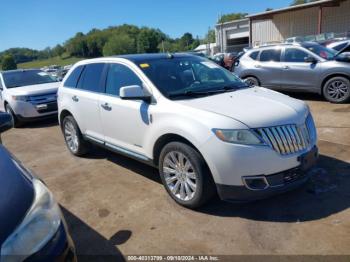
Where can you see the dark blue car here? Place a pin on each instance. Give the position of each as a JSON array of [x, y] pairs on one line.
[[32, 227]]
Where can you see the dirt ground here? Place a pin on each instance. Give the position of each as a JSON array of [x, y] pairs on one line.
[[114, 205]]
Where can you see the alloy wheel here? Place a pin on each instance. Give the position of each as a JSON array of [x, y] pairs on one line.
[[180, 176], [71, 136], [337, 90]]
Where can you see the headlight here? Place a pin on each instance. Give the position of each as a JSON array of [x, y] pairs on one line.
[[245, 136], [20, 98], [37, 228]]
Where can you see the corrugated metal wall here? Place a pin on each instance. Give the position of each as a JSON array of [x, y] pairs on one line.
[[336, 19], [285, 25]]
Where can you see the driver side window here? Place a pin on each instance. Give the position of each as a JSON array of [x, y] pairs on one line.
[[119, 76], [294, 55]]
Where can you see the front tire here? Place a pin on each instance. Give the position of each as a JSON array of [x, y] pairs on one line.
[[185, 175], [73, 137], [252, 81], [16, 122], [337, 90]]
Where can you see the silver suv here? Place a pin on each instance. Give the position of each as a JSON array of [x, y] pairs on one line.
[[302, 67]]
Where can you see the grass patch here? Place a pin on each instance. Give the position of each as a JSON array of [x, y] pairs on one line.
[[61, 61]]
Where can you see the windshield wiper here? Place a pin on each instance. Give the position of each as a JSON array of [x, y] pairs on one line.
[[203, 93]]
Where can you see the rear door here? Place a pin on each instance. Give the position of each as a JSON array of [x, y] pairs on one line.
[[85, 100], [298, 74], [268, 67]]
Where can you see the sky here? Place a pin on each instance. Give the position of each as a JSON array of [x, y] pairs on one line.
[[41, 23]]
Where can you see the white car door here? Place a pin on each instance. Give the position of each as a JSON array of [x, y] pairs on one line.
[[125, 122], [85, 101], [1, 95]]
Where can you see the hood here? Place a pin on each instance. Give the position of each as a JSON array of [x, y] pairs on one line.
[[16, 194], [255, 107], [35, 89]]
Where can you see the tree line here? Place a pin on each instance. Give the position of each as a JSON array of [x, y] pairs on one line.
[[116, 40]]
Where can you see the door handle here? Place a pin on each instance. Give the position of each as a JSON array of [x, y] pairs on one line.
[[106, 107], [286, 67], [75, 98]]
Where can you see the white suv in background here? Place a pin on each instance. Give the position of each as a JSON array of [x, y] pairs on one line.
[[28, 94], [201, 126]]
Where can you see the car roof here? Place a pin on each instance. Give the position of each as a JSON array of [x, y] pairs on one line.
[[301, 44], [338, 43], [148, 57]]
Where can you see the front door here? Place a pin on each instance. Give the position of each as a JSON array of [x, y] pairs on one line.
[[298, 74], [125, 122]]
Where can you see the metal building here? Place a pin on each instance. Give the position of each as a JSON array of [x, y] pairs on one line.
[[232, 36], [316, 18]]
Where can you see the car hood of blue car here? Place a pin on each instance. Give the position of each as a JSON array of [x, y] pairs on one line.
[[16, 193]]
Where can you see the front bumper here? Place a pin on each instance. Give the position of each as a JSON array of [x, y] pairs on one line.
[[275, 184], [59, 248], [28, 111]]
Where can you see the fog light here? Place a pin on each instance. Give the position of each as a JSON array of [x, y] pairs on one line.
[[256, 183]]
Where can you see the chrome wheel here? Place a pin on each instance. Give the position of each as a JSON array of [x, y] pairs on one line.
[[71, 136], [180, 176], [251, 81], [338, 89]]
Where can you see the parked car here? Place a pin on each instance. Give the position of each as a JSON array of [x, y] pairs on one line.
[[340, 46], [32, 227], [303, 67], [28, 95], [198, 123]]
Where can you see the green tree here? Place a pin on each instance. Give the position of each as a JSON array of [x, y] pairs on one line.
[[148, 40], [210, 36], [58, 50], [232, 17], [119, 45], [8, 63]]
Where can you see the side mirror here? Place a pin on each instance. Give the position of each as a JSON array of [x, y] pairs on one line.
[[310, 59], [134, 92], [6, 122]]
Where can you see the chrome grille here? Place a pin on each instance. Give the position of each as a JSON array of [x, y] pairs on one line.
[[289, 139]]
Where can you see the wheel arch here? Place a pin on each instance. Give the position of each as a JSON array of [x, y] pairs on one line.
[[166, 139], [251, 75], [63, 114]]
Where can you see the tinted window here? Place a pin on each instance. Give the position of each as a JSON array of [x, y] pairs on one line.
[[91, 77], [270, 55], [119, 76], [321, 51], [27, 78], [254, 55], [74, 77], [340, 47], [295, 55]]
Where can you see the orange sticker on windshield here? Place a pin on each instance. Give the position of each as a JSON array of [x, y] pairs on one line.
[[144, 65]]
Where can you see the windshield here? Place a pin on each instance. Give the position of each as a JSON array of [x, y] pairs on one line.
[[321, 51], [189, 76], [27, 78]]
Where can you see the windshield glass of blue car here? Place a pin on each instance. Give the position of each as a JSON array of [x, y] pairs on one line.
[[324, 52], [190, 77], [27, 78]]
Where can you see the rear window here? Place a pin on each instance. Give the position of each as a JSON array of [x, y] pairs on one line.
[[90, 79], [254, 55], [271, 55], [340, 47], [73, 78]]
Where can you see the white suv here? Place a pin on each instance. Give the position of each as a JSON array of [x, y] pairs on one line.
[[204, 129], [28, 95]]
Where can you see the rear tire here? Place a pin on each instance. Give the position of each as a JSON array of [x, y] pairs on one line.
[[73, 137], [252, 81], [337, 90], [16, 122], [185, 175]]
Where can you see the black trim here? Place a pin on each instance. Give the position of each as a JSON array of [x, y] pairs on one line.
[[37, 118]]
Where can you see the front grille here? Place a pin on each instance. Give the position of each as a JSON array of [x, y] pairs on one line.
[[289, 139], [44, 98]]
